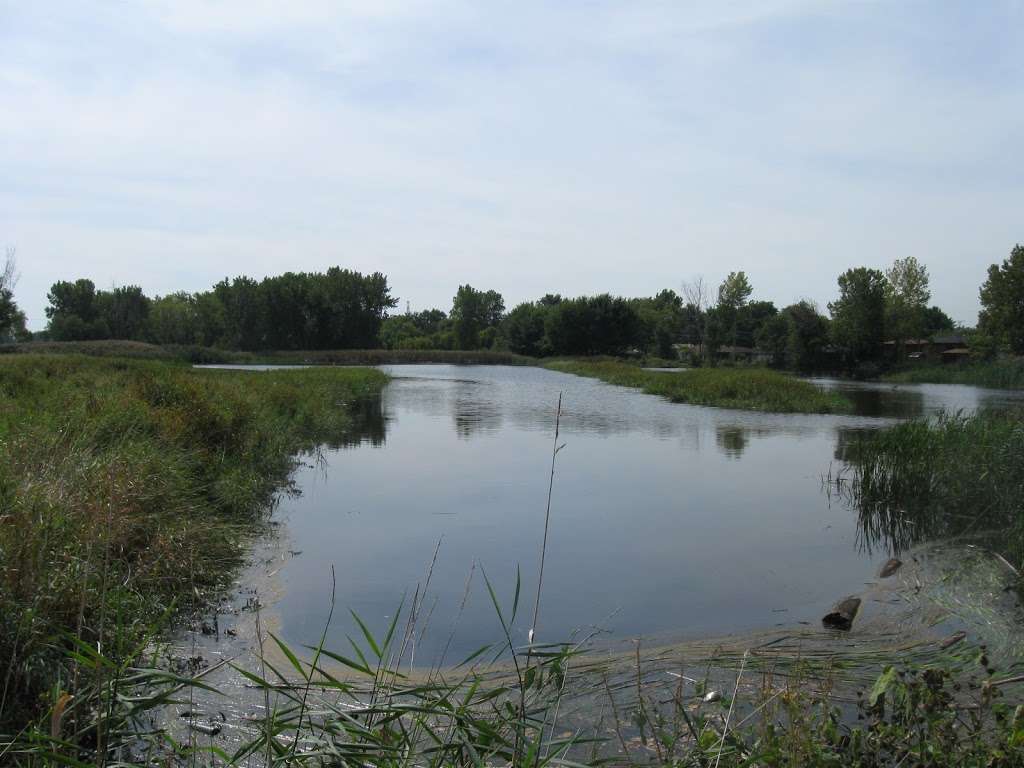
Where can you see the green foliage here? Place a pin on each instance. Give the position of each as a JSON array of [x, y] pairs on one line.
[[306, 310], [734, 290], [522, 330], [473, 313], [755, 389], [591, 325], [858, 315], [126, 486], [936, 321], [907, 295], [1002, 302]]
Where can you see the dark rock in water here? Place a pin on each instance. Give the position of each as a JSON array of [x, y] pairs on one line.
[[843, 614], [952, 640], [891, 566]]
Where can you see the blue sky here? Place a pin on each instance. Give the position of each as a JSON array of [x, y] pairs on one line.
[[573, 147]]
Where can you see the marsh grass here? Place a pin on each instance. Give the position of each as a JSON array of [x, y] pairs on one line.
[[129, 489], [777, 703], [756, 389], [213, 355], [1007, 373], [958, 476]]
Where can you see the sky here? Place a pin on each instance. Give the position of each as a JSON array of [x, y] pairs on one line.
[[529, 147]]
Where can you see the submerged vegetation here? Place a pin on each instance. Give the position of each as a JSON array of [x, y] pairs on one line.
[[756, 389], [1006, 373], [128, 488], [959, 476]]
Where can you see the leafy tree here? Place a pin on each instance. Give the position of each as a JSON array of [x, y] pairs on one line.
[[936, 321], [124, 310], [399, 332], [858, 315], [734, 291], [808, 336], [1002, 302], [733, 294], [773, 338], [591, 325], [522, 330], [750, 317], [73, 312], [473, 312], [907, 295], [174, 319]]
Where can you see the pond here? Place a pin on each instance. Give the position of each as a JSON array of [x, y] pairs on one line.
[[667, 521]]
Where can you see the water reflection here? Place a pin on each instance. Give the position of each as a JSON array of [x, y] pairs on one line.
[[474, 416], [731, 440], [664, 516], [368, 424], [848, 441]]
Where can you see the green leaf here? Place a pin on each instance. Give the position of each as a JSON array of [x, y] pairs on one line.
[[882, 684]]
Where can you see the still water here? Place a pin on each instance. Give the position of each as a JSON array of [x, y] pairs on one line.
[[667, 520]]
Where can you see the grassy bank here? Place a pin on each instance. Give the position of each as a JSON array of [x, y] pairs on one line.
[[197, 354], [753, 389], [128, 487], [959, 476], [997, 374]]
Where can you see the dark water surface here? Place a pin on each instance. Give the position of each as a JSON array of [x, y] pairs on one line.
[[667, 520]]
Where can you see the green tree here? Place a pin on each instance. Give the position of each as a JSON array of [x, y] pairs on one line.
[[733, 294], [124, 311], [1002, 302], [734, 291], [522, 330], [773, 338], [73, 312], [858, 315], [591, 325], [936, 321], [173, 319], [906, 295], [472, 313], [808, 336]]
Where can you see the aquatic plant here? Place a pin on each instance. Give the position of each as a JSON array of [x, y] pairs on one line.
[[755, 389], [957, 476], [1007, 373]]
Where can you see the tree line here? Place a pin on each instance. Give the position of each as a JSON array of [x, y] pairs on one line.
[[343, 309]]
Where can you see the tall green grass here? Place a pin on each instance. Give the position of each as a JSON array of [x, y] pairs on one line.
[[998, 374], [958, 476], [754, 389], [128, 488], [199, 354]]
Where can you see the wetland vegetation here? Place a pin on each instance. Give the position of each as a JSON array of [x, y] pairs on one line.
[[130, 489], [758, 389]]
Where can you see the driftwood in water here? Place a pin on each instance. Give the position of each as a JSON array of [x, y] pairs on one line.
[[843, 614], [891, 566]]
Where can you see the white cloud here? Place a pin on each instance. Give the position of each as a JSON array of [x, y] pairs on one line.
[[572, 147]]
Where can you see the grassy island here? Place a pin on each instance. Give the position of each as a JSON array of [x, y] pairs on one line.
[[752, 389]]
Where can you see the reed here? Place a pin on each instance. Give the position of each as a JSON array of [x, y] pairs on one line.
[[956, 477], [1007, 373]]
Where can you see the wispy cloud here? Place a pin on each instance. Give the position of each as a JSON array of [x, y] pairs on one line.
[[575, 147]]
